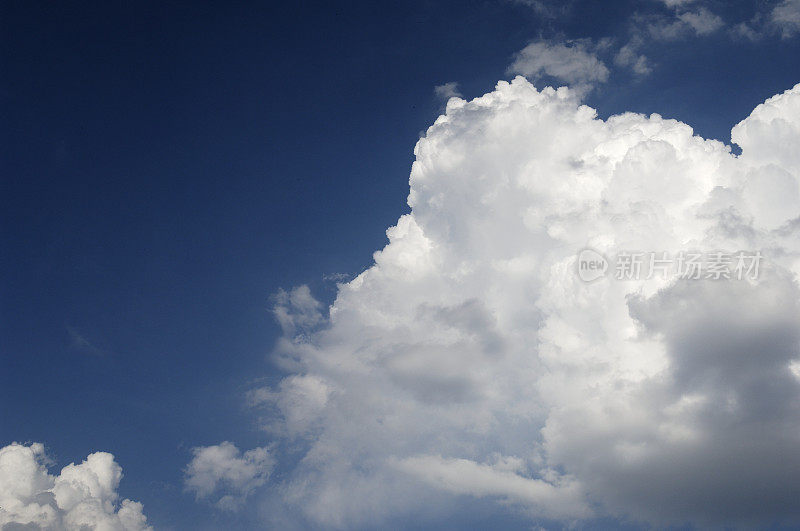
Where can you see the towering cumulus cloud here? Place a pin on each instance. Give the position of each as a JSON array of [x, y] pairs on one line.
[[82, 497], [470, 367]]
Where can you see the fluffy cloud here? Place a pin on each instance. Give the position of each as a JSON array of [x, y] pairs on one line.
[[470, 365], [222, 471], [81, 497], [573, 62]]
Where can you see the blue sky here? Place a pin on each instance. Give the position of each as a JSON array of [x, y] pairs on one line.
[[167, 168]]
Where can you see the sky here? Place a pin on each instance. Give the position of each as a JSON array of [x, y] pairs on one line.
[[187, 189]]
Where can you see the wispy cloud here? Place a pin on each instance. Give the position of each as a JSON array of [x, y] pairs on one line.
[[447, 90], [573, 62], [78, 341]]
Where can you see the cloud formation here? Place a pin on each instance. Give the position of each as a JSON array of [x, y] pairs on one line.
[[573, 62], [786, 17], [583, 63], [471, 363], [81, 497], [224, 472], [447, 90], [780, 19]]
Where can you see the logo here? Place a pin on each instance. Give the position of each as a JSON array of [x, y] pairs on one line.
[[591, 265], [685, 265]]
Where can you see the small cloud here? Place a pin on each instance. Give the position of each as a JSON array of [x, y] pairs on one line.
[[629, 57], [548, 8], [702, 21], [79, 342], [337, 277], [572, 62], [447, 90], [297, 309], [223, 471], [683, 24], [645, 29], [676, 3], [745, 30], [785, 17], [782, 20]]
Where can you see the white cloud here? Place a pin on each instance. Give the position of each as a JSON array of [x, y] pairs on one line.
[[786, 17], [629, 56], [462, 476], [81, 497], [304, 307], [471, 363], [677, 3], [222, 471], [549, 8], [746, 30], [683, 21], [701, 21], [572, 62], [679, 25], [447, 90], [781, 19]]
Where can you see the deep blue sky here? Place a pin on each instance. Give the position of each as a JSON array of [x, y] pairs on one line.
[[166, 167]]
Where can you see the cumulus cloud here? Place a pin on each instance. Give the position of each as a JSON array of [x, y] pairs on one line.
[[225, 473], [573, 62], [81, 497], [470, 362]]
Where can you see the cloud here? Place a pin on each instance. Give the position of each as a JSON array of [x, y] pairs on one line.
[[304, 307], [786, 18], [81, 497], [579, 63], [781, 19], [679, 24], [676, 3], [549, 8], [682, 20], [462, 476], [447, 91], [224, 472], [701, 21], [572, 62], [471, 366], [79, 342], [629, 56]]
